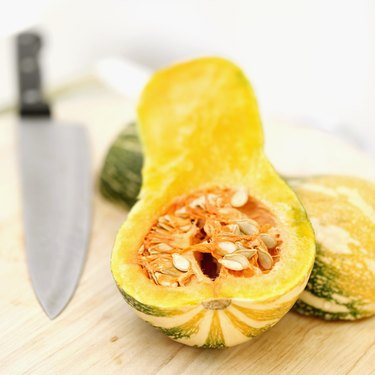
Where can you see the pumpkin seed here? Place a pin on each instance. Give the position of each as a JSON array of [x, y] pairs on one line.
[[211, 228], [162, 247], [248, 226], [153, 251], [240, 245], [248, 253], [186, 227], [165, 219], [182, 211], [173, 284], [228, 211], [226, 247], [170, 272], [208, 229], [234, 228], [198, 202], [180, 262], [231, 264], [239, 198], [165, 226], [219, 201], [179, 221], [268, 240], [164, 280], [155, 276], [265, 259], [238, 258], [161, 231], [212, 199], [141, 249]]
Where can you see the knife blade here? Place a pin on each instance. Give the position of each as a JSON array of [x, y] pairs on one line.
[[56, 187]]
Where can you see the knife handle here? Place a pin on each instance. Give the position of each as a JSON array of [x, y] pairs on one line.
[[31, 102]]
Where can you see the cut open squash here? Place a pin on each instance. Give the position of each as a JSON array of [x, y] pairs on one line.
[[218, 248]]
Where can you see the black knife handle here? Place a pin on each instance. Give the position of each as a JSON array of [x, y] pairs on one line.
[[31, 102]]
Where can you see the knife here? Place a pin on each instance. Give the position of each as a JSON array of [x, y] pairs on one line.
[[55, 184]]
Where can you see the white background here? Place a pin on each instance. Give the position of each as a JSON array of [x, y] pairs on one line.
[[311, 62]]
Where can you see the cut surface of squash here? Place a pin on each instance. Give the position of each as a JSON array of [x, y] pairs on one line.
[[210, 235], [250, 247]]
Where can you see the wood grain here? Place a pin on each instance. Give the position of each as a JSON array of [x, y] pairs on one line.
[[98, 333]]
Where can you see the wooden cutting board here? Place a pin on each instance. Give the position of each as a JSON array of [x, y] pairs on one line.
[[99, 334]]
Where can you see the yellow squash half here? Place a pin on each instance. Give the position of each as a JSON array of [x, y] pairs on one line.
[[203, 141]]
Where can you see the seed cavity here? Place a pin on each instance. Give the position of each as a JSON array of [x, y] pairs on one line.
[[203, 235], [208, 264]]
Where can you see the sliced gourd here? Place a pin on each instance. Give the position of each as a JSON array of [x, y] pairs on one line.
[[323, 297], [342, 212], [218, 248]]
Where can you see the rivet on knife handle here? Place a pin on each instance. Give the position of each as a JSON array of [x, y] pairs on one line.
[[31, 102]]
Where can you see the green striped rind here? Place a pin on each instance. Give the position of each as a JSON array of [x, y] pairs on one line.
[[185, 330], [305, 309], [120, 177], [151, 310], [215, 338], [209, 329], [322, 284], [342, 212], [244, 328], [204, 327], [141, 307]]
